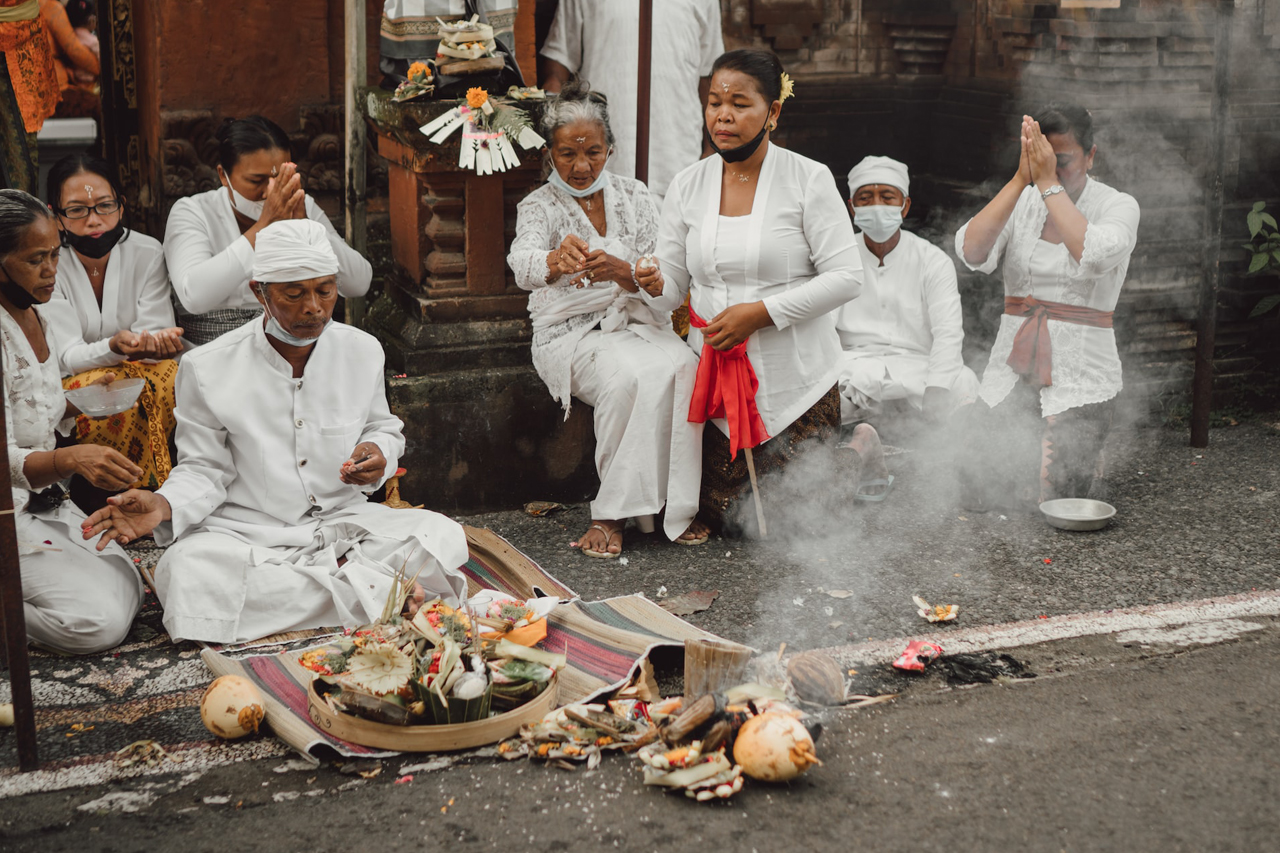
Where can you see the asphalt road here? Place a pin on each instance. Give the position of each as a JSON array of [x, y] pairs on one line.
[[1112, 747], [1115, 746]]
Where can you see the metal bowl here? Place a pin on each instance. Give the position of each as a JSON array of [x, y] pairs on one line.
[[98, 401], [1077, 513]]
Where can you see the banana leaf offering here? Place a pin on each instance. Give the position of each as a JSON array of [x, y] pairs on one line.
[[442, 665]]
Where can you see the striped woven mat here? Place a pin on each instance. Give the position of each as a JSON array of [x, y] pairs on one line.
[[149, 688], [604, 641]]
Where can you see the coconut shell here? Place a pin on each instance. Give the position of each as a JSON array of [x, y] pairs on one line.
[[232, 707], [774, 747], [817, 678]]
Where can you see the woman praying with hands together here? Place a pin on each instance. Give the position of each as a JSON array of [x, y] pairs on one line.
[[209, 239]]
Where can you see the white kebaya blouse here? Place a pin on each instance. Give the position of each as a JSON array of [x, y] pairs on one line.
[[135, 296], [798, 256]]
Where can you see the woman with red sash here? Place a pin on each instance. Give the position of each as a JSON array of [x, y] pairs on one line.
[[760, 240], [1065, 240]]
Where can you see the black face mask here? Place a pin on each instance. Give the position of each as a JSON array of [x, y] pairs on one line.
[[17, 296], [94, 247], [742, 152]]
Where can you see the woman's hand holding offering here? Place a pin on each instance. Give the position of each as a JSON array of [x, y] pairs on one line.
[[648, 276], [600, 266], [568, 258]]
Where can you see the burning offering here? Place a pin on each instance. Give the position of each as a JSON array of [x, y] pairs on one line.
[[917, 655]]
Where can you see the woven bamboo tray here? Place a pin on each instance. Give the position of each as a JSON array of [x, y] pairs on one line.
[[442, 738]]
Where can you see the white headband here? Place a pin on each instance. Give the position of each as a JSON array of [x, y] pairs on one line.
[[879, 170], [293, 250]]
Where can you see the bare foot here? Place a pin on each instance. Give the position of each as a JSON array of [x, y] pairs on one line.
[[866, 443], [602, 538], [697, 534]]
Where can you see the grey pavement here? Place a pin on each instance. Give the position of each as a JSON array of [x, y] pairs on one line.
[[1115, 746]]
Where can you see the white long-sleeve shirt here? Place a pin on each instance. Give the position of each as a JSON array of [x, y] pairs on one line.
[[598, 40], [799, 257], [259, 451], [562, 313], [211, 262], [909, 306], [135, 296], [1086, 363]]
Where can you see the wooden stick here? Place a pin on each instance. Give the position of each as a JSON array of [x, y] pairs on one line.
[[13, 623], [755, 493]]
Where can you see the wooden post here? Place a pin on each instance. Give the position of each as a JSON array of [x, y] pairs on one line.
[[1207, 317], [644, 84], [15, 621], [353, 199]]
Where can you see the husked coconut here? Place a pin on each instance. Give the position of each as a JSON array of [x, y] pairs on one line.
[[817, 678], [774, 747], [232, 707]]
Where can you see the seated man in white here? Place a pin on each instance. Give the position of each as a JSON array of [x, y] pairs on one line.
[[283, 430], [902, 335]]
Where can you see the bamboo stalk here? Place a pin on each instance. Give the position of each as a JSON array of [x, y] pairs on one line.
[[755, 493]]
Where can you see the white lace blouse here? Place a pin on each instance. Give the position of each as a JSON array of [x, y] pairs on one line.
[[33, 401], [562, 313], [1086, 364]]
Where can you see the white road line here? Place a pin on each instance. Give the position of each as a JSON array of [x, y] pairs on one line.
[[1014, 634]]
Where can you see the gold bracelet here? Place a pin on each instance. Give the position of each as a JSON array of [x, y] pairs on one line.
[[56, 472]]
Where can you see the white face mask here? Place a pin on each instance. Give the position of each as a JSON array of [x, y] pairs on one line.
[[598, 184], [251, 209], [878, 221], [275, 330]]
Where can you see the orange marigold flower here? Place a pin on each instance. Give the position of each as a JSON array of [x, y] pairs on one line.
[[477, 98], [419, 68]]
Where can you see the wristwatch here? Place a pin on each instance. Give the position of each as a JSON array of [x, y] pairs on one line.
[[1053, 190]]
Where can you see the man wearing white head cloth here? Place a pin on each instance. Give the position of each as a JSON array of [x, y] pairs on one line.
[[902, 336], [283, 430]]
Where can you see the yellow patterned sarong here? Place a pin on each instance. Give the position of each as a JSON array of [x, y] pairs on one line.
[[142, 433]]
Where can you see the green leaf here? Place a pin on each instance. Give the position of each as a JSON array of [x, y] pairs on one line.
[[1270, 220], [1259, 261], [1259, 206], [1275, 253], [1255, 223], [1265, 305]]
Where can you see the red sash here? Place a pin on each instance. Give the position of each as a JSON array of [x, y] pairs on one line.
[[726, 388], [1032, 354]]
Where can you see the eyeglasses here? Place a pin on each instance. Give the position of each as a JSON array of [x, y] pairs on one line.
[[80, 211]]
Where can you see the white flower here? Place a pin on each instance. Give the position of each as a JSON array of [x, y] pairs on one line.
[[380, 668]]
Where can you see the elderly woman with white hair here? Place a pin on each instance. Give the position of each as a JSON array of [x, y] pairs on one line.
[[283, 431], [581, 249]]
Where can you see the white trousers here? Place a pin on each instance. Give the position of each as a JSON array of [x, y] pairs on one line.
[[219, 588], [76, 600], [639, 380], [867, 381]]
